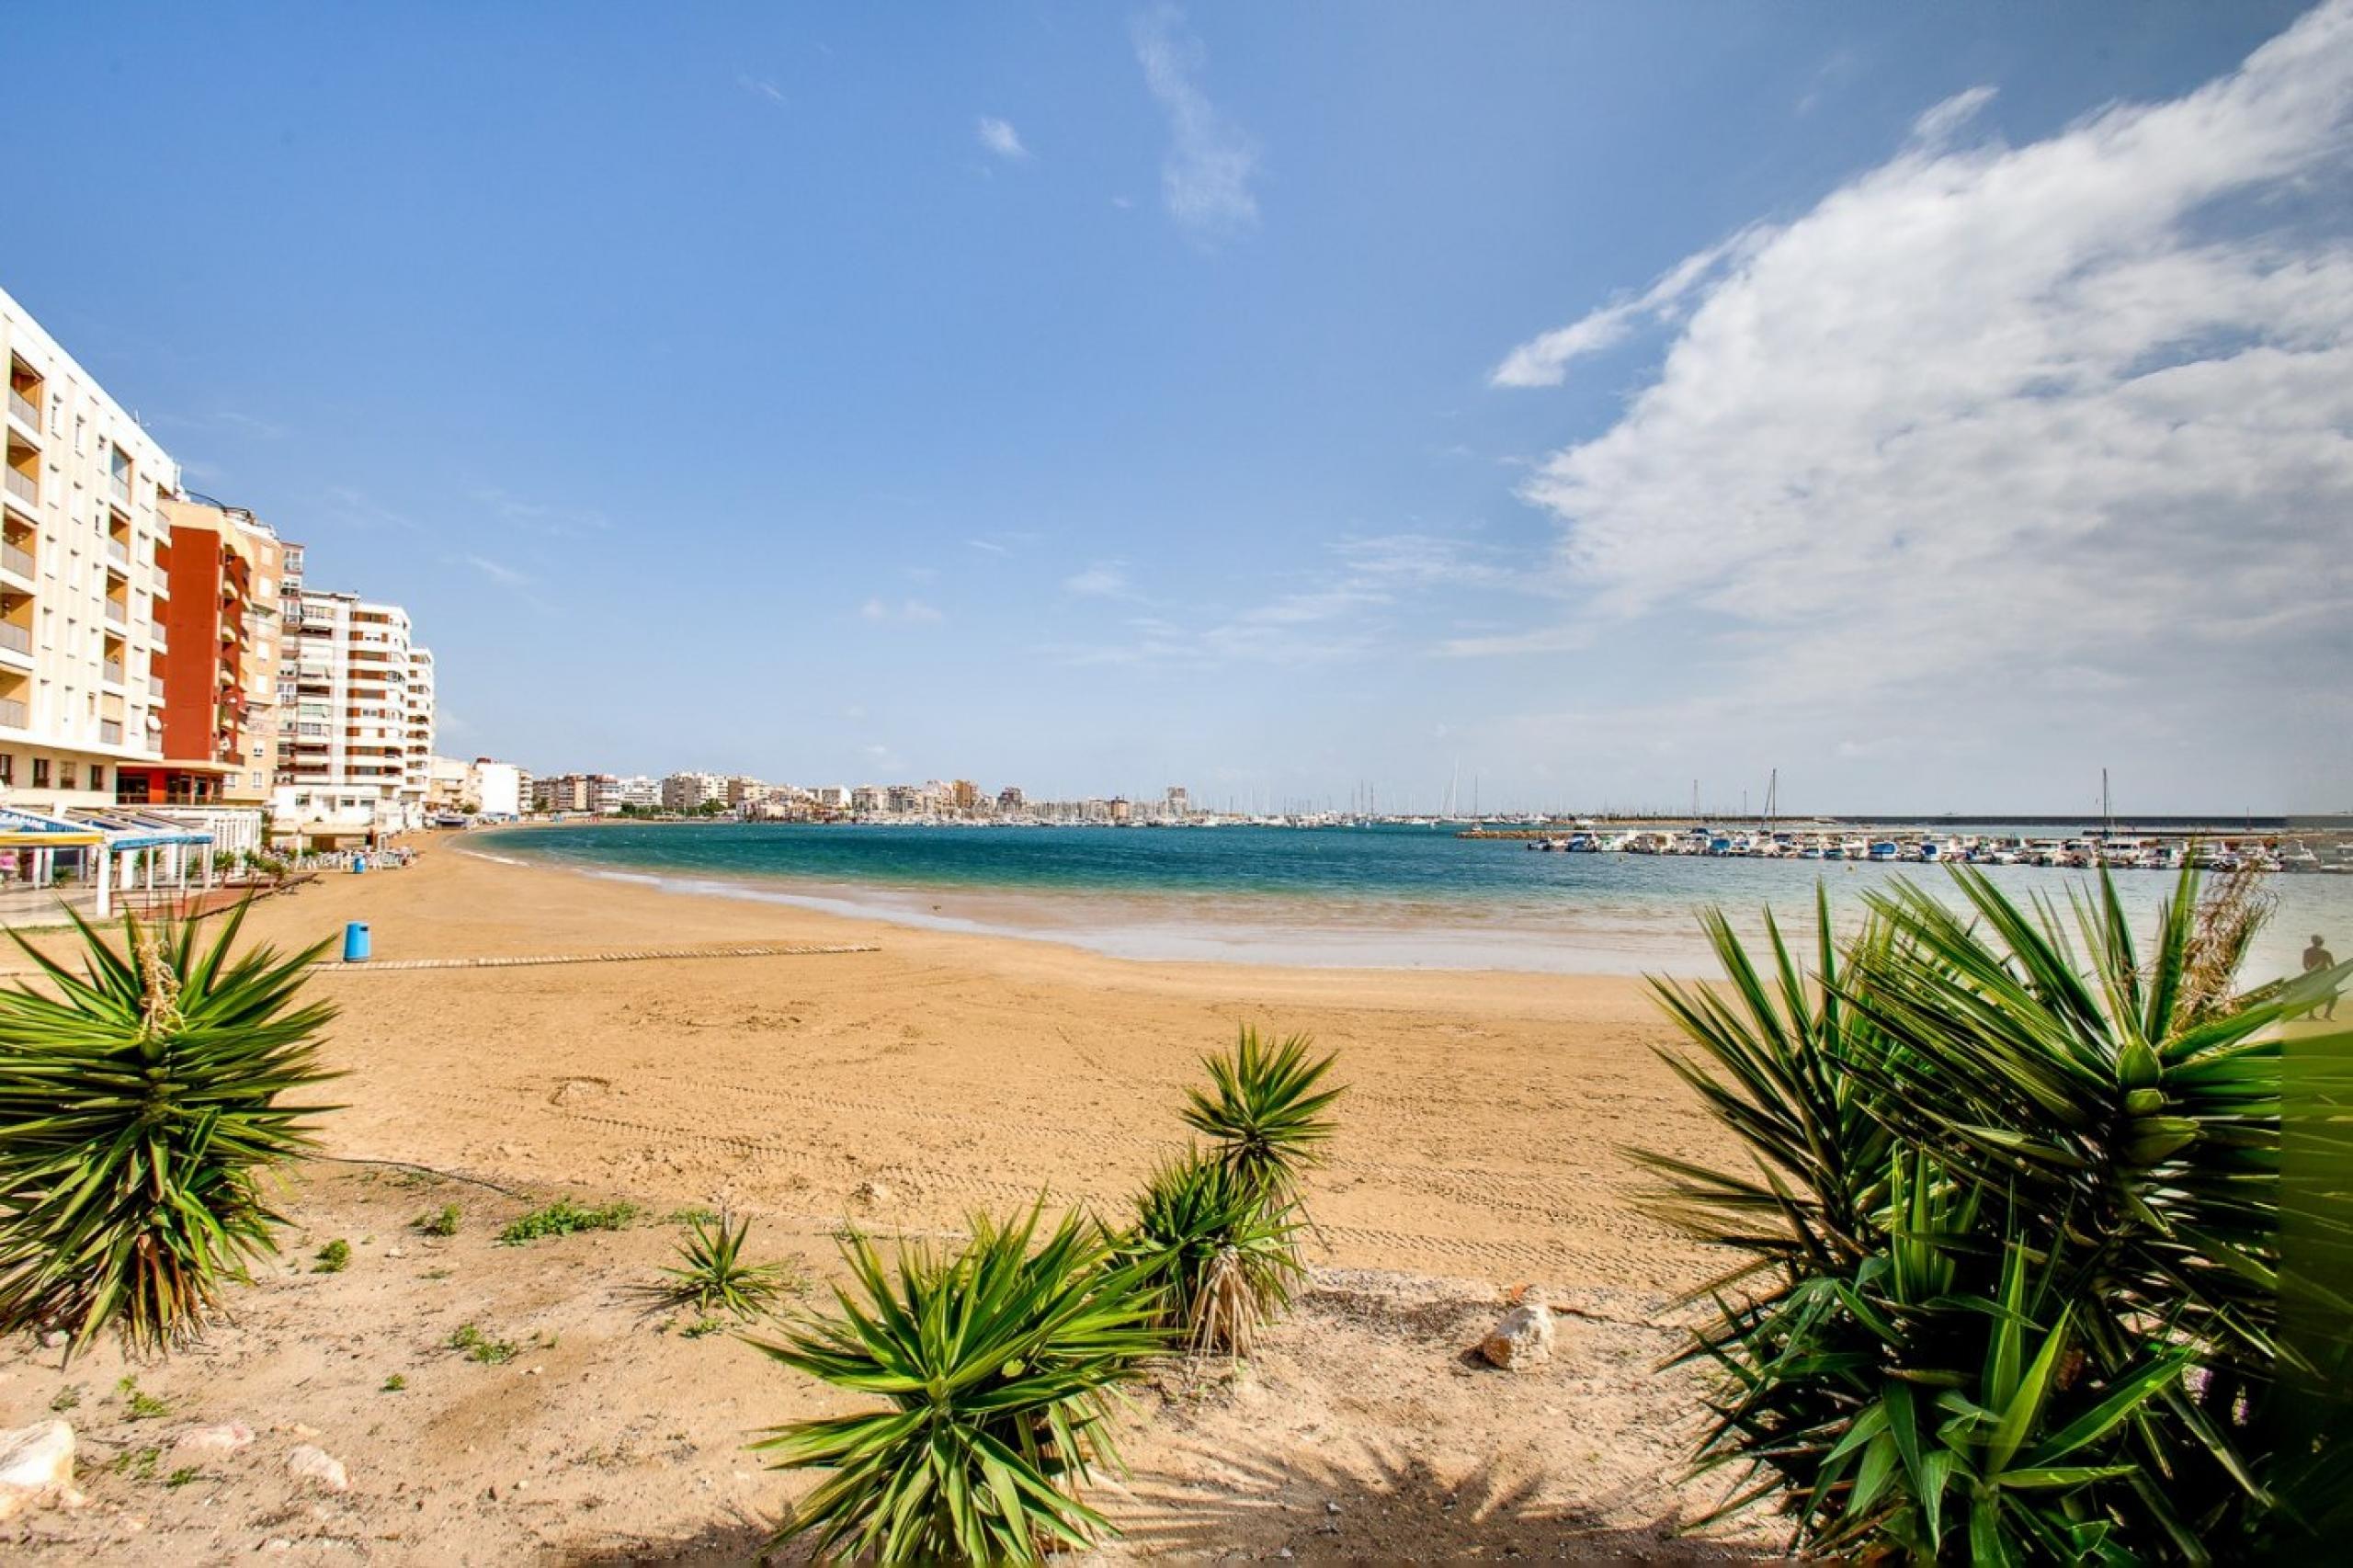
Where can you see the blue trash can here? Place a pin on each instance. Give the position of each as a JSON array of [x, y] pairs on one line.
[[354, 942], [359, 864]]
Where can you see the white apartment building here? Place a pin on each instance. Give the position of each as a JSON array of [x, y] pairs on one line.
[[641, 791], [354, 698], [82, 598]]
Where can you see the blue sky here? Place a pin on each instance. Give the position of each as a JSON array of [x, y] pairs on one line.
[[1936, 403]]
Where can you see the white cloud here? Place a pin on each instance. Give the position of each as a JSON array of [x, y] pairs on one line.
[[1205, 179], [999, 137], [1986, 412], [762, 90], [495, 571], [906, 611], [1105, 579]]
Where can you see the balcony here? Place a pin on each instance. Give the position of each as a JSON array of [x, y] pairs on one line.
[[156, 634], [17, 559], [22, 407], [24, 487], [118, 487], [16, 638], [14, 714], [119, 552], [111, 671], [109, 732], [116, 614], [155, 688]]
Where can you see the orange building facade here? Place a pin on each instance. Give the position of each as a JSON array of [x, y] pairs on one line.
[[220, 664]]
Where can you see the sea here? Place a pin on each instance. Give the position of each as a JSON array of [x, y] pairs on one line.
[[1382, 896]]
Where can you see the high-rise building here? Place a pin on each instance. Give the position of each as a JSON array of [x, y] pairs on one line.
[[84, 580], [692, 791], [220, 671], [355, 702]]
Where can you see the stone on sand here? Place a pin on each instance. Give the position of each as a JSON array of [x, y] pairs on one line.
[[319, 1467], [1522, 1337], [36, 1466]]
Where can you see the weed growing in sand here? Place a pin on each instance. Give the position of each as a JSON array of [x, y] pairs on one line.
[[479, 1347], [394, 1383], [182, 1476], [137, 1463], [334, 1257], [702, 1327], [564, 1217], [140, 1100], [1220, 1257], [713, 1277], [695, 1215], [995, 1365], [141, 1407], [442, 1222], [65, 1398], [1264, 1114]]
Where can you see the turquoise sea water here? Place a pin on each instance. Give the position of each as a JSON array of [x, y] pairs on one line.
[[1379, 897]]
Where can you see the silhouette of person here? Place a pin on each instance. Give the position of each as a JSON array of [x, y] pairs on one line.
[[2317, 957]]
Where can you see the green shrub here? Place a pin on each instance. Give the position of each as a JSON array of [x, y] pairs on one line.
[[713, 1276], [2005, 1256], [1264, 1113], [139, 1104], [995, 1364], [564, 1217], [442, 1222], [334, 1257], [479, 1347], [1220, 1260]]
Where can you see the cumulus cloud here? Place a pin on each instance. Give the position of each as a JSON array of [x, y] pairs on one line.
[[1991, 412], [1205, 179], [999, 137]]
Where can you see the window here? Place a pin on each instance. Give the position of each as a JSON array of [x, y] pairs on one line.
[[41, 773], [68, 775], [8, 769], [98, 776]]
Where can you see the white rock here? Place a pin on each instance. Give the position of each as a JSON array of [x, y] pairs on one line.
[[1521, 1338], [55, 1339], [36, 1466], [225, 1438], [318, 1466]]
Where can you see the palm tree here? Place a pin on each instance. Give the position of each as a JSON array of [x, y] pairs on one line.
[[140, 1100]]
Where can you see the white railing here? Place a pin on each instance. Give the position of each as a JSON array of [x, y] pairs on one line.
[[24, 488], [14, 714], [23, 408], [109, 732], [118, 551], [17, 559], [120, 483], [110, 669], [154, 686], [17, 636], [114, 612]]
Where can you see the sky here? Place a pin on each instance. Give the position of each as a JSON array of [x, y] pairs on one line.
[[1585, 405]]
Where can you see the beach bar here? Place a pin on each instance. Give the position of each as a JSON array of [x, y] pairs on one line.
[[112, 850]]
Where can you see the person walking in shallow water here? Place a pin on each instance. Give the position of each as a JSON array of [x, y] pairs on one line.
[[2317, 957]]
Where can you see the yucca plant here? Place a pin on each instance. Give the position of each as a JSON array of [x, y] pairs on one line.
[[995, 1365], [712, 1275], [1223, 1261], [140, 1099], [2100, 1119], [1264, 1113]]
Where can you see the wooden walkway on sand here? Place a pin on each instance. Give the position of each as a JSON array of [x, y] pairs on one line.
[[626, 955]]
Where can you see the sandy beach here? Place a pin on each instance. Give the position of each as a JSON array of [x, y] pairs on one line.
[[898, 1089]]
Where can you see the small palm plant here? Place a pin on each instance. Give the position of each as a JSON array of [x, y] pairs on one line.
[[2009, 1266], [139, 1104], [995, 1366], [712, 1275], [1264, 1114], [1223, 1262]]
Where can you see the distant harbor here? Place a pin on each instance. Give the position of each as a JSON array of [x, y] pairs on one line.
[[2168, 849]]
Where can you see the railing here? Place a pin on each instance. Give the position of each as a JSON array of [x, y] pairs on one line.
[[156, 686], [17, 559], [114, 612], [24, 487], [109, 732], [119, 484], [110, 669], [20, 638], [22, 407], [14, 714], [156, 634], [118, 551]]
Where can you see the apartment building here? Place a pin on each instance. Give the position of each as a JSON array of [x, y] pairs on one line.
[[83, 591], [692, 791], [641, 792], [218, 681], [597, 793], [355, 698], [479, 788]]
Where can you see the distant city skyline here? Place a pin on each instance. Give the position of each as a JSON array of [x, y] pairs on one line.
[[1936, 407]]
